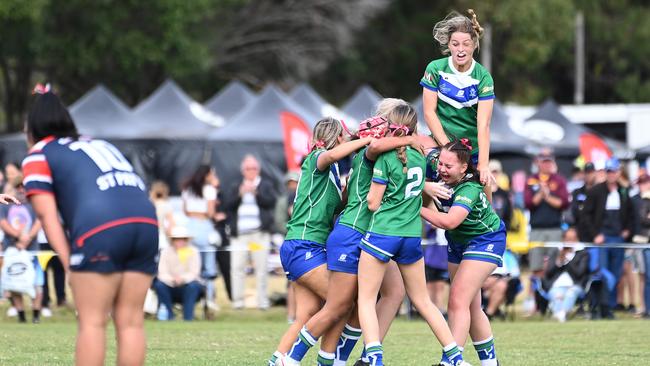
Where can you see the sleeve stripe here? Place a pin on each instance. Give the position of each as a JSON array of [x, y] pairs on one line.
[[33, 158], [487, 97], [31, 192], [37, 178], [379, 180], [462, 205], [428, 86]]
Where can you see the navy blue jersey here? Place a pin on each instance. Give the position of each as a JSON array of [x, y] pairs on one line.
[[94, 185]]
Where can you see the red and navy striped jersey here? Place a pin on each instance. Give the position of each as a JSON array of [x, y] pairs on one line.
[[94, 185]]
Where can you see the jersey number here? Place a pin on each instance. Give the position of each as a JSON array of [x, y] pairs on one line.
[[105, 155], [414, 177]]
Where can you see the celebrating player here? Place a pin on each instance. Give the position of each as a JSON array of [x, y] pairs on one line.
[[458, 92], [317, 197], [476, 241], [112, 230], [394, 232], [343, 252]]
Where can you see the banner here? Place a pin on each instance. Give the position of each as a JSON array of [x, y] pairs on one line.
[[594, 150], [296, 139]]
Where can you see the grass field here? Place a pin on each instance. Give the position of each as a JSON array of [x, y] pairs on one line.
[[249, 337]]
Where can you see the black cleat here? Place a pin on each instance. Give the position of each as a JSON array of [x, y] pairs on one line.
[[360, 362]]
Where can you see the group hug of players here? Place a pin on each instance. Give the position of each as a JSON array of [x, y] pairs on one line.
[[340, 261]]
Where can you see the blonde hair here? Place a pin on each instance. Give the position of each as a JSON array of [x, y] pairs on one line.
[[386, 105], [456, 22], [403, 114], [326, 133]]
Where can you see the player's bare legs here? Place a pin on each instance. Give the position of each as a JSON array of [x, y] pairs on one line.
[[129, 318]]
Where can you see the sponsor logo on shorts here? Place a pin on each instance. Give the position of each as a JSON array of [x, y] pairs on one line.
[[76, 259], [343, 258], [489, 248], [308, 256]]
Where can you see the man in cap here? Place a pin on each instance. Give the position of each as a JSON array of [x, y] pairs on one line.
[[579, 196]]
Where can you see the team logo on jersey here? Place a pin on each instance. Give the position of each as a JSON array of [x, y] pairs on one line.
[[308, 256], [378, 172], [428, 77], [463, 199], [472, 93], [487, 89], [343, 258], [460, 94]]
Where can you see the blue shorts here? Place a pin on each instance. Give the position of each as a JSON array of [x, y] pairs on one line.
[[488, 247], [121, 248], [403, 250], [301, 256], [343, 249]]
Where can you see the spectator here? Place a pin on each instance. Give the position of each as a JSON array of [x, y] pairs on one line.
[[12, 176], [199, 196], [284, 206], [21, 227], [566, 277], [644, 234], [501, 286], [608, 218], [250, 211], [220, 223], [578, 198], [159, 195], [546, 197], [500, 196], [178, 276]]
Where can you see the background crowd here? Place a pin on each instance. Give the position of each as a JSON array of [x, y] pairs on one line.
[[230, 230]]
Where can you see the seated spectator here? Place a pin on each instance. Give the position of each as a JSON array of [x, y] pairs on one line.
[[20, 226], [179, 272], [566, 277], [501, 286]]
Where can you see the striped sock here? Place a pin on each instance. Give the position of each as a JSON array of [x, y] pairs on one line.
[[375, 352], [300, 347], [453, 353], [274, 357], [445, 359], [325, 358], [486, 352], [346, 344]]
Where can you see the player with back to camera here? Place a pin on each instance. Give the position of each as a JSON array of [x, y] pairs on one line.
[[109, 235]]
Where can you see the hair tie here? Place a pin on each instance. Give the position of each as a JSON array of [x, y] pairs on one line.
[[467, 143], [396, 128], [41, 89], [345, 127], [320, 144]]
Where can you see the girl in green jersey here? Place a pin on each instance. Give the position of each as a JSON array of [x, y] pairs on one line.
[[476, 239], [318, 195], [394, 233], [458, 92]]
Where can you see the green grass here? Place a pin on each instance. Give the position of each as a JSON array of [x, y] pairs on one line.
[[249, 337]]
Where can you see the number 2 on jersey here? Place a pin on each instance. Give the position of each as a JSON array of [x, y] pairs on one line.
[[413, 188], [103, 154]]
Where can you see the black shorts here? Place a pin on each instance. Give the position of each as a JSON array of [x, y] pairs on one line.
[[126, 247], [434, 274]]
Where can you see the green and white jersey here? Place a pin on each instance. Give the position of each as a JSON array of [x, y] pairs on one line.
[[458, 96], [356, 214], [317, 197], [481, 218], [399, 213]]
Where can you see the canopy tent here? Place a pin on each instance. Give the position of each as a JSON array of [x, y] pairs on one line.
[[549, 127], [99, 113], [13, 148], [305, 96], [362, 104], [230, 100], [170, 113]]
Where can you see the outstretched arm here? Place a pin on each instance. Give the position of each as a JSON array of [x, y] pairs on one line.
[[483, 118], [7, 199], [447, 221], [45, 208], [430, 105], [328, 157], [379, 146]]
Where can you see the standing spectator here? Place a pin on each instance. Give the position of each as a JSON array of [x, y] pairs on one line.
[[546, 197], [21, 227], [644, 234], [566, 277], [578, 198], [608, 218], [199, 204], [178, 278], [159, 196], [12, 177], [284, 206], [250, 210], [220, 223], [500, 197]]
